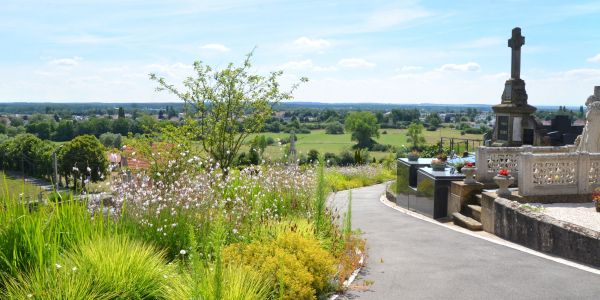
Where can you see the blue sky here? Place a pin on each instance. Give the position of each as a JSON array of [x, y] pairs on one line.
[[352, 51]]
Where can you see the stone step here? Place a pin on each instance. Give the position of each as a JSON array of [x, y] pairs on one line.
[[466, 222], [475, 212], [478, 198]]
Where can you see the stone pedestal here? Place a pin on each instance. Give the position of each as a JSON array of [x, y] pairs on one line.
[[460, 194]]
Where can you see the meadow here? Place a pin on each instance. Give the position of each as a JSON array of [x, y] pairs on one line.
[[12, 186], [336, 143]]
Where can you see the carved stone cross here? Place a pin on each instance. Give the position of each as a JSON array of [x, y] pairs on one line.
[[515, 42]]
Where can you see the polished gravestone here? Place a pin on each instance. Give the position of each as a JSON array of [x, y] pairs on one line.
[[433, 188], [407, 179], [421, 189]]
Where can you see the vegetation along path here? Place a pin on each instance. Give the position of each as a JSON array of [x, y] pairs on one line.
[[409, 258]]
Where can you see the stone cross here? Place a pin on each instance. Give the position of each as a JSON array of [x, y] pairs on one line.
[[515, 42]]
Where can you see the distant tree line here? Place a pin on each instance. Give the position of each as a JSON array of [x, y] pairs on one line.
[[79, 161], [55, 128]]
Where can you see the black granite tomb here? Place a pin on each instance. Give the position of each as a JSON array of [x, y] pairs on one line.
[[421, 189]]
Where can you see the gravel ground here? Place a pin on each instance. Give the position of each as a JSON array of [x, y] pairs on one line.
[[583, 214]]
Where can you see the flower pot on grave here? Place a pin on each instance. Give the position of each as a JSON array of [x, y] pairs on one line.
[[597, 206], [469, 174], [438, 167], [503, 183], [413, 157]]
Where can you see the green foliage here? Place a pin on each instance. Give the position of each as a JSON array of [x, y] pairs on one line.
[[361, 156], [118, 265], [242, 283], [364, 127], [35, 238], [320, 198], [230, 104], [347, 225], [415, 136], [83, 157], [334, 128], [111, 140], [296, 266], [345, 178]]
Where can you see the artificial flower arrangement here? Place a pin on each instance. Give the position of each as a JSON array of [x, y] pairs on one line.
[[504, 172], [413, 155], [438, 165], [504, 180], [596, 198], [469, 170]]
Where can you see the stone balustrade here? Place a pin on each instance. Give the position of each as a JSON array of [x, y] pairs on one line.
[[490, 160], [574, 173]]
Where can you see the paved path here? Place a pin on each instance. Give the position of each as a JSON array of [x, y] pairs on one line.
[[409, 258]]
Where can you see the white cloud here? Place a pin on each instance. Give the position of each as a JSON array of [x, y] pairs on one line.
[[215, 47], [468, 67], [65, 62], [594, 58], [411, 68], [355, 63], [306, 64], [305, 43]]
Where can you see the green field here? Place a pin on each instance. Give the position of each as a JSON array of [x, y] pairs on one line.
[[14, 187], [336, 143]]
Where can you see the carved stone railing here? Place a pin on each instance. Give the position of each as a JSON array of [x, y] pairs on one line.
[[490, 160], [558, 173]]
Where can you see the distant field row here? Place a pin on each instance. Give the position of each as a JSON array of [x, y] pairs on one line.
[[336, 143]]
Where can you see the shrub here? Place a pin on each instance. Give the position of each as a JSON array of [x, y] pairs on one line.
[[313, 156], [334, 128], [381, 147], [111, 140], [297, 266], [346, 158]]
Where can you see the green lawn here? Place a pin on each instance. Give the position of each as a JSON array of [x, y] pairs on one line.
[[323, 142], [14, 187]]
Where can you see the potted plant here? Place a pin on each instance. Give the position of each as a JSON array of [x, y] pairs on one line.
[[438, 165], [503, 180], [596, 198], [458, 165], [442, 157], [413, 155], [469, 170]]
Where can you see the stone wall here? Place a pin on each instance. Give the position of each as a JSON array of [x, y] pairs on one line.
[[546, 234]]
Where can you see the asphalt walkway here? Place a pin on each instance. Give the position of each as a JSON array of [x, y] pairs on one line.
[[409, 258]]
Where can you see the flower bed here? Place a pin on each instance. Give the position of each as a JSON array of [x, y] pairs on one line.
[[190, 232]]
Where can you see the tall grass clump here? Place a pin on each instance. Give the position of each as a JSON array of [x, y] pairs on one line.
[[34, 236], [347, 225], [103, 268], [320, 197]]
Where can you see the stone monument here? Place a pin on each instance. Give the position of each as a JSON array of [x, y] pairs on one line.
[[515, 125], [589, 141]]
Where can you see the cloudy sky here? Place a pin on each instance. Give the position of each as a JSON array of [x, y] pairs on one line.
[[352, 51]]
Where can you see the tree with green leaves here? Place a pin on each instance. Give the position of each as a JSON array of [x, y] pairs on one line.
[[415, 135], [83, 158], [230, 105], [364, 127]]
